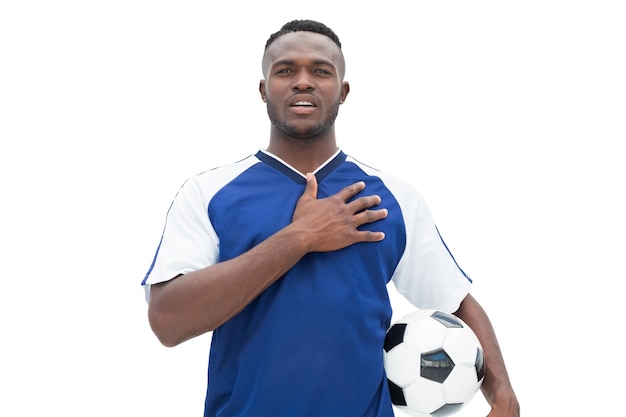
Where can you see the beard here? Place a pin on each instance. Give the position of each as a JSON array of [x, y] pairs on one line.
[[303, 133]]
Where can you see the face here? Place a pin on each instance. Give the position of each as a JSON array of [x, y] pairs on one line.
[[303, 85]]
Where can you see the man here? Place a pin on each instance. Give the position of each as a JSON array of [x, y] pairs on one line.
[[286, 255]]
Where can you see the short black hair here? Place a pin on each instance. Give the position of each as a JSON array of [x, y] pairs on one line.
[[304, 26]]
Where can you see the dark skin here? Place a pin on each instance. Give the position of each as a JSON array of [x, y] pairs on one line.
[[303, 88]]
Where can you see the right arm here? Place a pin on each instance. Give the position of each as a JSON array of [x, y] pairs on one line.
[[200, 301]]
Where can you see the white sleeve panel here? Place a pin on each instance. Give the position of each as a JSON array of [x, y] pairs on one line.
[[427, 274], [189, 241]]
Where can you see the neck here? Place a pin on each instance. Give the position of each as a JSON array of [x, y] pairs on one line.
[[305, 155]]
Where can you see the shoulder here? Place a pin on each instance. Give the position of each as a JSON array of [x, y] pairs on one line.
[[398, 186], [220, 175], [227, 171], [204, 185]]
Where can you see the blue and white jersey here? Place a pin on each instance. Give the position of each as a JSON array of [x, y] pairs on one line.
[[312, 343]]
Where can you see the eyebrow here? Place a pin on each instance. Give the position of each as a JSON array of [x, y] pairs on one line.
[[292, 62]]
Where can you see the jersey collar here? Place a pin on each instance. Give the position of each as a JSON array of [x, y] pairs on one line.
[[320, 173]]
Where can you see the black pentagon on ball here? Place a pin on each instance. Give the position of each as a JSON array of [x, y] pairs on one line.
[[396, 393], [436, 365], [479, 364], [446, 410], [447, 319], [395, 336]]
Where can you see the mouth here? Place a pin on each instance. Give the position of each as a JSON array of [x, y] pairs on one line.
[[302, 100], [302, 106]]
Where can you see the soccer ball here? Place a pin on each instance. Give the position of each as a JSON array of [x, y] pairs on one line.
[[434, 363]]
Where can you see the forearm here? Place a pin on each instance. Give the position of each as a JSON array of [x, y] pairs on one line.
[[200, 301], [496, 386]]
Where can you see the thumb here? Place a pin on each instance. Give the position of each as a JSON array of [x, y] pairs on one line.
[[310, 190]]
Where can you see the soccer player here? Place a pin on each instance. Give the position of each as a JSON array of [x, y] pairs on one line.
[[286, 255]]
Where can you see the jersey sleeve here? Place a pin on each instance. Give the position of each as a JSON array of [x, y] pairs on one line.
[[427, 275], [188, 242]]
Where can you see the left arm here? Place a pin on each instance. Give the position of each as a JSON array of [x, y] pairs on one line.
[[496, 386]]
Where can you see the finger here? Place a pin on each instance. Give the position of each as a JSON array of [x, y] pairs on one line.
[[367, 236], [370, 216], [351, 190], [363, 203]]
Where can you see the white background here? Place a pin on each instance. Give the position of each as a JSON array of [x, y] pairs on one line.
[[508, 116]]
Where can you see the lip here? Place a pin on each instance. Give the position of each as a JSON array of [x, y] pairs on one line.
[[302, 110]]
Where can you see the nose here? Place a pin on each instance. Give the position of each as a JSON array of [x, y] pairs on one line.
[[303, 81]]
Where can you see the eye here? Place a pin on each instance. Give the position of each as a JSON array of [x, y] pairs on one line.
[[284, 71], [323, 72]]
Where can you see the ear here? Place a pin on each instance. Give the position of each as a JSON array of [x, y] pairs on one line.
[[345, 89], [262, 89]]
